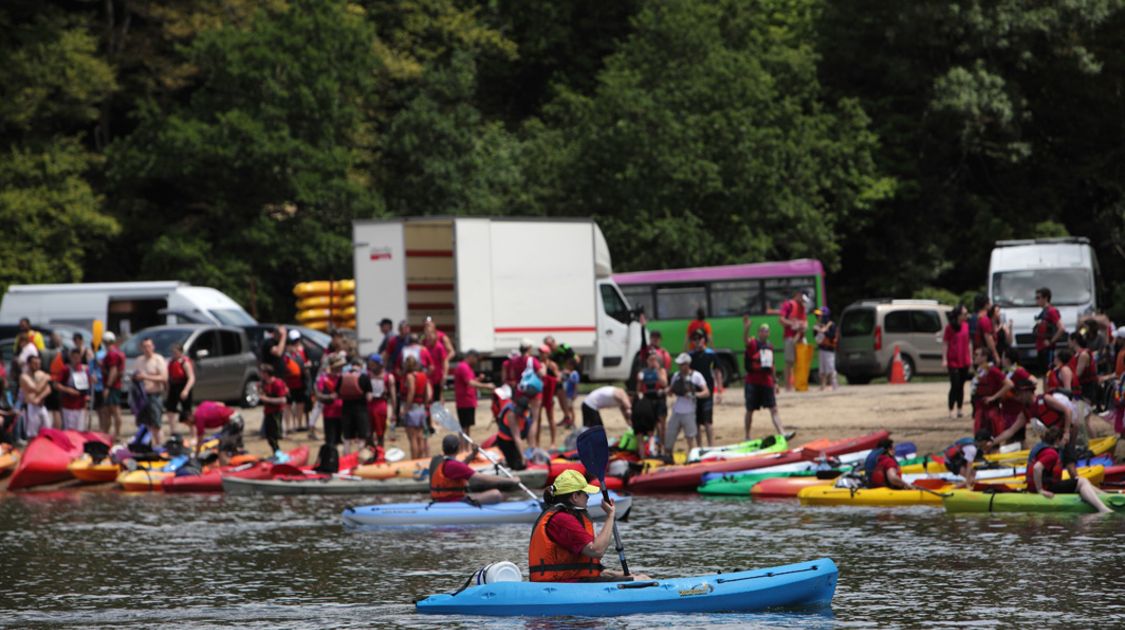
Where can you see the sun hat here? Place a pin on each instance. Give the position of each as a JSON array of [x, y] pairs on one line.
[[683, 358], [571, 481]]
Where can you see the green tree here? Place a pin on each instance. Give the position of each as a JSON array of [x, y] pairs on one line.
[[708, 141], [252, 184]]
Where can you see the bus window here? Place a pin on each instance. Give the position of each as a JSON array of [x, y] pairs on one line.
[[733, 299], [680, 302], [778, 290], [640, 296]]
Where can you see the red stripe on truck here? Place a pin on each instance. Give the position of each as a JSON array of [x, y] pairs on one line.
[[412, 286], [533, 329], [430, 253], [430, 306]]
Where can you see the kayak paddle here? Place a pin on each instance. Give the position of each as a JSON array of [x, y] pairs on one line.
[[447, 421], [593, 450]]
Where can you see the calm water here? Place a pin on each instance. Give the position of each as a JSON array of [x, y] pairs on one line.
[[106, 558]]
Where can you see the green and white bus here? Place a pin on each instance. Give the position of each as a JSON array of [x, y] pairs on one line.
[[670, 298]]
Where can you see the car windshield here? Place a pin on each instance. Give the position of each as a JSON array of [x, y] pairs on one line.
[[162, 339], [1017, 288], [232, 317]]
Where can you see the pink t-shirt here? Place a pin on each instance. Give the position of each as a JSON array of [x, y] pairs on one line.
[[464, 395], [957, 346], [792, 309], [437, 354]]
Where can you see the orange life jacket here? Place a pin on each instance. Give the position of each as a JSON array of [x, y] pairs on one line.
[[551, 562], [443, 488]]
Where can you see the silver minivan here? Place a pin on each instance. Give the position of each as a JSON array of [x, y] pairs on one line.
[[225, 366], [870, 329]]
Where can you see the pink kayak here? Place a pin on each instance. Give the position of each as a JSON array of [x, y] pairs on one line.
[[47, 457]]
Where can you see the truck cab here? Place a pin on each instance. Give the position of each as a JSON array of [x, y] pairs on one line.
[[1066, 266]]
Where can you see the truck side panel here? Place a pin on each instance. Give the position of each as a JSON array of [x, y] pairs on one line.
[[380, 279], [536, 293], [473, 245]]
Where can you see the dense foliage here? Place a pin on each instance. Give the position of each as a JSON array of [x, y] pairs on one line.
[[231, 142]]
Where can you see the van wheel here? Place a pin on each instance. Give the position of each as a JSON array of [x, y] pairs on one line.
[[251, 396], [856, 379]]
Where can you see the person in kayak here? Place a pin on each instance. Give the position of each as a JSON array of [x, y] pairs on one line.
[[449, 477], [882, 469], [1044, 472], [563, 545]]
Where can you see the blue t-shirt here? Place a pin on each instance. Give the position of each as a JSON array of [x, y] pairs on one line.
[[571, 384]]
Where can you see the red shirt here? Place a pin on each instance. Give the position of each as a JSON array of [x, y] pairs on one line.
[[990, 382], [984, 331], [879, 476], [437, 353], [699, 324], [762, 377], [114, 358], [1009, 404], [275, 388], [565, 531], [327, 384], [1052, 468], [1050, 316], [211, 415], [456, 470], [464, 395], [792, 309], [957, 346]]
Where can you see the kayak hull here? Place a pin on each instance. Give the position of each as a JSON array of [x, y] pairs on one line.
[[535, 478], [786, 487], [965, 501], [769, 444], [795, 585], [880, 497], [461, 513], [46, 459]]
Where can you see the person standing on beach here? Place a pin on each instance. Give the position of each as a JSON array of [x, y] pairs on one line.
[[827, 338], [1048, 329], [705, 361], [956, 358], [794, 322], [152, 371], [760, 384]]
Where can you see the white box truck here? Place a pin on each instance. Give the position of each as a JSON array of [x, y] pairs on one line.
[[1066, 266], [490, 282], [125, 307]]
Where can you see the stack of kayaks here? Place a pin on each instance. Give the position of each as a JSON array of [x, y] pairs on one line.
[[323, 304], [768, 444], [462, 513], [966, 501], [689, 477], [47, 457], [795, 585]]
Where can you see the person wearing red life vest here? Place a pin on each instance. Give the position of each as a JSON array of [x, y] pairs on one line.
[[1048, 328], [1049, 409], [564, 547], [417, 395], [449, 477], [380, 408], [74, 391], [989, 386], [181, 384], [1044, 472]]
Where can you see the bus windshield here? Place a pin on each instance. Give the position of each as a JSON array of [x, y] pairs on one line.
[[1017, 288]]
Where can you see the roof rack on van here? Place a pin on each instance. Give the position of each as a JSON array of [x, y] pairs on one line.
[[1056, 240], [899, 301]]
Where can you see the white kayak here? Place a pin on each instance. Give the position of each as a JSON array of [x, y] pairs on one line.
[[345, 484], [462, 513]]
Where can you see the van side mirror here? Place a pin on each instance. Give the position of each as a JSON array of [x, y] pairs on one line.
[[202, 353]]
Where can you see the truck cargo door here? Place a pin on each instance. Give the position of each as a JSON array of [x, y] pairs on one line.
[[380, 278]]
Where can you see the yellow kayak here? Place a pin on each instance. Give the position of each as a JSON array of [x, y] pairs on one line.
[[822, 495], [84, 469], [8, 462], [1098, 446], [142, 480]]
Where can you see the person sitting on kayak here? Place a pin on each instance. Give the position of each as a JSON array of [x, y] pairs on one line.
[[449, 478], [1044, 472], [563, 545], [882, 469], [960, 455]]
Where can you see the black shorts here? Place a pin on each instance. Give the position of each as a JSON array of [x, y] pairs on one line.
[[467, 416], [591, 417], [52, 401], [659, 405], [644, 416], [703, 409], [512, 457], [173, 402], [759, 397], [99, 399], [355, 424], [299, 395], [1067, 486], [332, 431], [271, 426]]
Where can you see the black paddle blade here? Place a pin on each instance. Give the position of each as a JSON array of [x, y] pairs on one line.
[[593, 450]]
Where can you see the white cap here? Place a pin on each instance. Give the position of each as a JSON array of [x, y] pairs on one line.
[[526, 343], [1120, 334], [683, 359], [109, 337]]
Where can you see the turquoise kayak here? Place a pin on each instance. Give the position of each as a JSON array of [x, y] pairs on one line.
[[462, 513], [794, 585]]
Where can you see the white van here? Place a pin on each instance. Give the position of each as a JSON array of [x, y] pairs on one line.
[[125, 307], [1066, 266]]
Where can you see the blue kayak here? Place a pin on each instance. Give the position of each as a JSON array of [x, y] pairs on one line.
[[793, 585], [462, 513]]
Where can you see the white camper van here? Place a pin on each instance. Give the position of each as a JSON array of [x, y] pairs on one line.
[[1066, 266], [125, 307], [491, 282]]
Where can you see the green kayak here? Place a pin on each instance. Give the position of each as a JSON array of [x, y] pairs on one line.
[[963, 501], [739, 484], [768, 444]]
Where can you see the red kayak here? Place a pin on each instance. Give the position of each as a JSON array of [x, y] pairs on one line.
[[785, 487], [689, 477], [212, 480], [47, 456]]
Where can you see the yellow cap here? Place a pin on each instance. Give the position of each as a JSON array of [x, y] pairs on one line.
[[572, 481]]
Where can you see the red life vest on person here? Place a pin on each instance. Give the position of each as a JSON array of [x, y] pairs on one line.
[[505, 432], [443, 488], [1039, 409], [1050, 475], [1086, 376], [177, 370], [548, 561], [1054, 381], [420, 381], [350, 388]]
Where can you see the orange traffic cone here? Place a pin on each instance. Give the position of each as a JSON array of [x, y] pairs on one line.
[[898, 375]]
